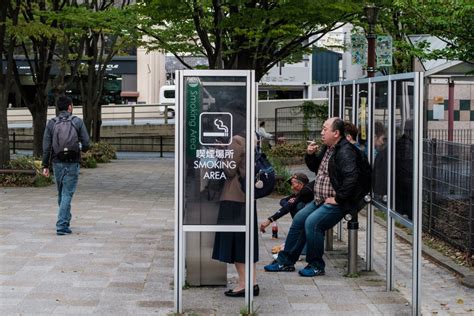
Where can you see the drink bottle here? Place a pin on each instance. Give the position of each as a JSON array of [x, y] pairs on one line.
[[274, 230]]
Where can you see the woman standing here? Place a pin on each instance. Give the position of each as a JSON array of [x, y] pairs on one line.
[[229, 247]]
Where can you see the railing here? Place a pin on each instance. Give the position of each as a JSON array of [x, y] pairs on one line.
[[138, 143], [448, 192], [161, 144], [132, 114], [463, 136]]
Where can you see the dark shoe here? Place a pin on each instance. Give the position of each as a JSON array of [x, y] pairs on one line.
[[241, 293], [256, 290], [276, 267], [231, 293], [64, 231], [310, 271]]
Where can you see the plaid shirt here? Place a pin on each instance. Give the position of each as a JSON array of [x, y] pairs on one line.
[[322, 186]]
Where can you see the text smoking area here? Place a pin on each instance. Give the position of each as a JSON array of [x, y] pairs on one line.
[[216, 107]]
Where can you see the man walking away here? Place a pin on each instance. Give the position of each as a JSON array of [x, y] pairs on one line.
[[64, 138], [336, 193]]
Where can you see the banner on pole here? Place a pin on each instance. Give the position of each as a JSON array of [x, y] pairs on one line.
[[384, 51], [359, 49]]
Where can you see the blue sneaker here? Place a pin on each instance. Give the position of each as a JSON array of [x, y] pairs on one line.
[[64, 231], [310, 271], [276, 267]]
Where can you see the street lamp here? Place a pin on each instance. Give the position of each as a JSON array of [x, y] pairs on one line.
[[371, 12]]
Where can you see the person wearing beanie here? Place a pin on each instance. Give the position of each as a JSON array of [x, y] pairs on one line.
[[302, 194]]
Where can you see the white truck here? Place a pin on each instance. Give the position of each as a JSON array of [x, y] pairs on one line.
[[167, 97]]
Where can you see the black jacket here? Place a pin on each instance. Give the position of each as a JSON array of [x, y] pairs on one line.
[[343, 173], [305, 196]]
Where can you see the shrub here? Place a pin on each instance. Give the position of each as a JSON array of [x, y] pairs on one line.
[[289, 154], [100, 152], [282, 174], [88, 160], [103, 152], [18, 179]]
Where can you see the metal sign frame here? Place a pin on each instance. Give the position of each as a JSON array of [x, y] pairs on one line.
[[416, 224], [180, 228]]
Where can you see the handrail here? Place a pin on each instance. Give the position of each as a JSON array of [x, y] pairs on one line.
[[131, 112]]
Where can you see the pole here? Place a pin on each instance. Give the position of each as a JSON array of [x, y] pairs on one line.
[[371, 13], [450, 110], [371, 51], [352, 229]]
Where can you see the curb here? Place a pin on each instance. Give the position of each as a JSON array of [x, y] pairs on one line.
[[466, 276]]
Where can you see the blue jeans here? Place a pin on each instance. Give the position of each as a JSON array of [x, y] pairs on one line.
[[309, 226], [66, 175]]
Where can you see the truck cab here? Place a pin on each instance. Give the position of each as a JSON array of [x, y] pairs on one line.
[[167, 97]]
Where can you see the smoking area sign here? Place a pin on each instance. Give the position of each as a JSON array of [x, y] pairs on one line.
[[215, 128], [214, 151]]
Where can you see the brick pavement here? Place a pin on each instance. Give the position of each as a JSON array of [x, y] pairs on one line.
[[119, 259]]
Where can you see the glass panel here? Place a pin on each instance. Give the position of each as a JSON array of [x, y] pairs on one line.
[[362, 114], [335, 103], [403, 105], [215, 126], [347, 106], [379, 143]]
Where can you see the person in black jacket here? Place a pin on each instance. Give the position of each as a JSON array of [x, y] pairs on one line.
[[336, 193], [302, 195]]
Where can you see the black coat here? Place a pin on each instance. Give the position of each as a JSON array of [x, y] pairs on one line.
[[305, 196], [343, 173]]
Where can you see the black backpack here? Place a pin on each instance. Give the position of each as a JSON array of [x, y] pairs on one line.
[[65, 139], [264, 177]]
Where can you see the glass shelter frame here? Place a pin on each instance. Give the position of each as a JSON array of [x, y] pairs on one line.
[[224, 79], [396, 100]]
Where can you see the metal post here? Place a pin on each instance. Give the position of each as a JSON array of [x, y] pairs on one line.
[[352, 229], [471, 226], [133, 115], [166, 114], [339, 231], [276, 126], [161, 146], [433, 146], [329, 239], [14, 142], [450, 110]]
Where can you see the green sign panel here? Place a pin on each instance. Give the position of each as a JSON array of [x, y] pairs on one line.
[[193, 109]]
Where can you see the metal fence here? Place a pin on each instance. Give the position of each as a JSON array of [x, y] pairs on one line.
[[292, 126], [448, 196], [463, 136], [132, 143]]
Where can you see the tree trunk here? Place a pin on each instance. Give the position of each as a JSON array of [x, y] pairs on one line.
[[4, 140], [98, 123], [39, 114]]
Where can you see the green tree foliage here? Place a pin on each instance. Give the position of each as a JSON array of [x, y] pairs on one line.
[[95, 32], [80, 36], [450, 20], [241, 34], [35, 38]]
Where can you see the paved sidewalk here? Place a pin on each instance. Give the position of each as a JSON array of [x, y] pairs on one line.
[[119, 259]]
